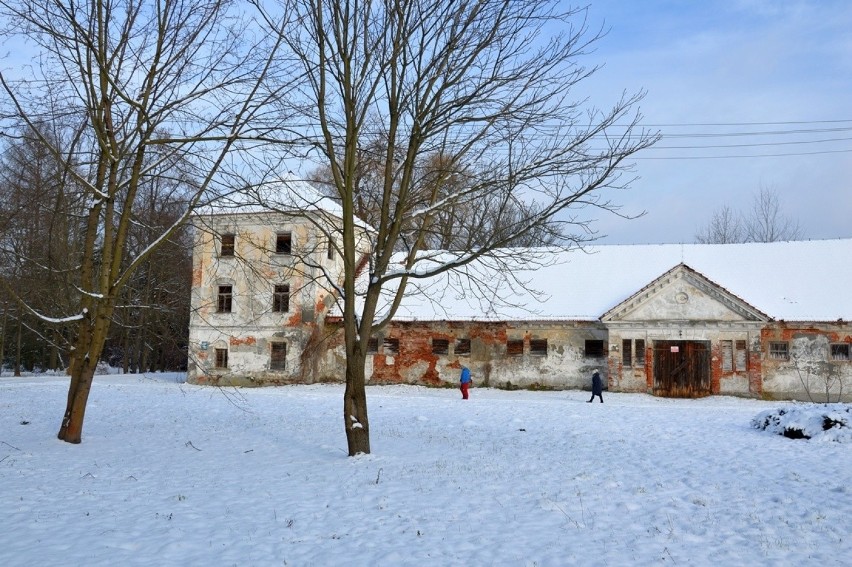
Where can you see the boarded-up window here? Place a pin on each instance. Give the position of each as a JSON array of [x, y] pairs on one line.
[[627, 352], [440, 346], [372, 345], [840, 351], [779, 351], [227, 248], [595, 349], [391, 346], [640, 352], [221, 358], [283, 243], [225, 298], [462, 347], [741, 358], [538, 347], [281, 299], [727, 356], [515, 347], [278, 356]]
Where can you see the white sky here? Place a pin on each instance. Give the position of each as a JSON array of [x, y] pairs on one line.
[[731, 62]]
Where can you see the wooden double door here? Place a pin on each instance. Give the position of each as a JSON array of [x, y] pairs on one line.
[[681, 369]]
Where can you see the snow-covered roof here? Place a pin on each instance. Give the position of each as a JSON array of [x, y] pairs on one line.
[[793, 281], [287, 194]]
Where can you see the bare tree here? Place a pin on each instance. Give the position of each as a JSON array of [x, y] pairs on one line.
[[124, 77], [487, 84], [764, 222], [725, 227]]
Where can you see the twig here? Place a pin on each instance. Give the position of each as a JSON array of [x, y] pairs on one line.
[[379, 476], [12, 446], [189, 444]]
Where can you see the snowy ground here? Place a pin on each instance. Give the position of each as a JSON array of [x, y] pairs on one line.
[[173, 474]]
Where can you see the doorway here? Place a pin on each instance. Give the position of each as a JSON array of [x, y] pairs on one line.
[[681, 369]]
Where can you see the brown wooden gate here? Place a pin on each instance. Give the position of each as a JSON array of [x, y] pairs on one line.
[[681, 369]]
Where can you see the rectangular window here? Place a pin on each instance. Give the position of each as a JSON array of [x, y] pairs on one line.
[[278, 356], [330, 252], [741, 358], [372, 345], [221, 358], [595, 349], [440, 346], [779, 351], [391, 347], [225, 299], [538, 347], [227, 248], [283, 243], [515, 347], [462, 347], [640, 352], [627, 353], [281, 299], [727, 356], [840, 351]]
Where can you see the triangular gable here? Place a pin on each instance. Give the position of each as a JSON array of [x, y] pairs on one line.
[[683, 294]]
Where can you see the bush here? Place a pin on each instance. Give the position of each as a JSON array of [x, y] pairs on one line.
[[826, 422]]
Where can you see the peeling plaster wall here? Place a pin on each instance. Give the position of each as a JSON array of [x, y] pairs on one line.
[[249, 329], [809, 364]]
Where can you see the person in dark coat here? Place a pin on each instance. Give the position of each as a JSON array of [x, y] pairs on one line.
[[597, 387], [465, 381]]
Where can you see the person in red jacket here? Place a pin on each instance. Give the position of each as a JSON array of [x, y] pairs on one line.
[[465, 381]]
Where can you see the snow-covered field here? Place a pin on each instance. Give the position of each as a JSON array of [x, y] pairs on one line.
[[173, 474]]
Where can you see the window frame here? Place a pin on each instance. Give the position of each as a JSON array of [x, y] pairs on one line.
[[514, 347], [538, 347], [627, 353], [390, 346], [774, 351], [282, 357], [639, 353], [281, 298], [225, 299], [462, 347], [227, 244], [373, 345], [284, 243], [835, 352], [440, 346], [221, 361], [598, 351]]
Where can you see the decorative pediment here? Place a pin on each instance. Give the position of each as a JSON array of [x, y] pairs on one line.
[[683, 294]]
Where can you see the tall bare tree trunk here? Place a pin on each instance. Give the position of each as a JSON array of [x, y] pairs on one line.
[[356, 423]]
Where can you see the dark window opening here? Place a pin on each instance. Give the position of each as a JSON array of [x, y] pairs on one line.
[[515, 347], [372, 345], [840, 351], [538, 347], [227, 245], [221, 358], [281, 299], [391, 346], [283, 243], [278, 356], [727, 356], [595, 349], [626, 352], [225, 299], [330, 252], [741, 358], [779, 351], [462, 347], [440, 346], [640, 352]]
